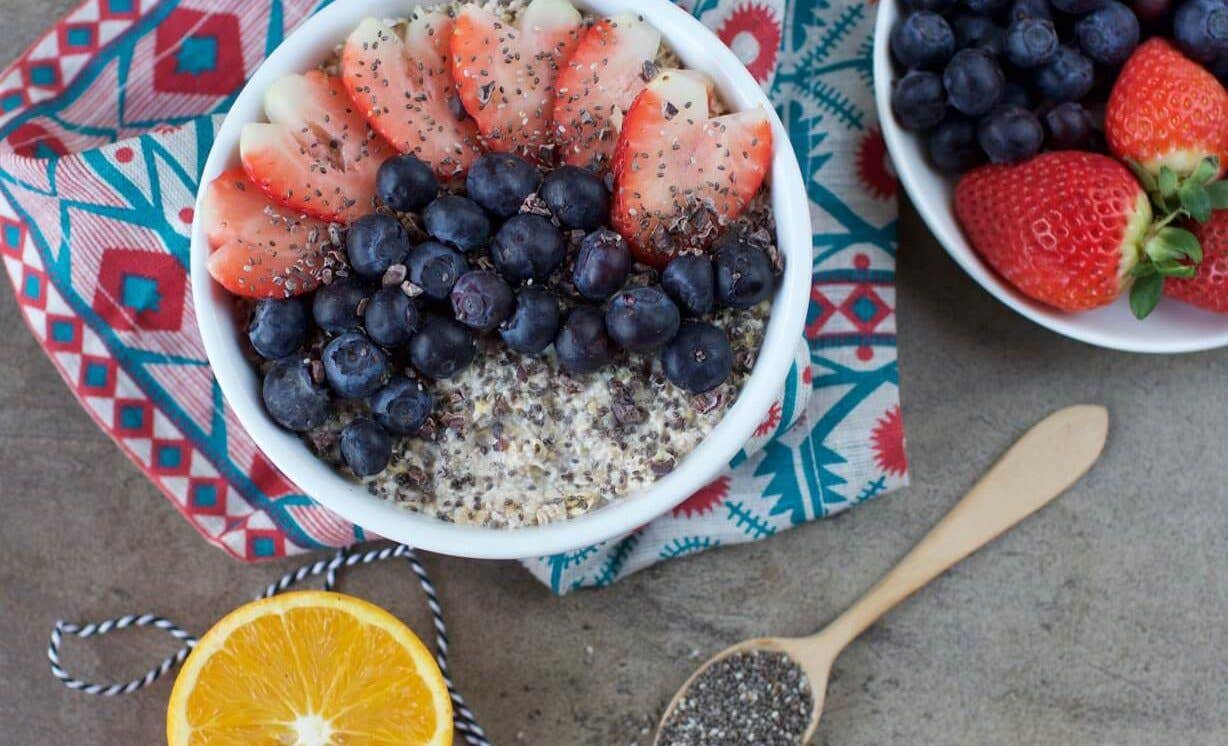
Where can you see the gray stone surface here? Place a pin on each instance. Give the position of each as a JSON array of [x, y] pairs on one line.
[[1099, 621]]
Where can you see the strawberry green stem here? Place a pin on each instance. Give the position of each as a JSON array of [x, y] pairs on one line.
[[1167, 250]]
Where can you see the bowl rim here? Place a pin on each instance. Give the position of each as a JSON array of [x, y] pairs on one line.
[[699, 49], [1072, 325]]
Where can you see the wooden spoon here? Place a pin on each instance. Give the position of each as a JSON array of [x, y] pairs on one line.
[[1040, 466]]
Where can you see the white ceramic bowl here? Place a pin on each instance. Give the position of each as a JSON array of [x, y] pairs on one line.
[[221, 329], [1172, 327]]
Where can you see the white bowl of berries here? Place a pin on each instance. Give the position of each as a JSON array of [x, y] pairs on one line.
[[1065, 154], [501, 280]]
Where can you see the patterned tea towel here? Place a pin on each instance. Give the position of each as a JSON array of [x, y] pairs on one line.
[[105, 124]]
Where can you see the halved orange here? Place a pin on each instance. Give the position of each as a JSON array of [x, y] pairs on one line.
[[309, 669]]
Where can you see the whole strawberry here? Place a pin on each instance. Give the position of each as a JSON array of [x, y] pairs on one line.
[[1166, 110], [1208, 288], [1066, 228]]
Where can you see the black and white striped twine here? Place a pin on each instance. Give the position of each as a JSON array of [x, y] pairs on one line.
[[464, 719]]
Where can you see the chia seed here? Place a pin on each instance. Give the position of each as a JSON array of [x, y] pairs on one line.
[[753, 697], [561, 446]]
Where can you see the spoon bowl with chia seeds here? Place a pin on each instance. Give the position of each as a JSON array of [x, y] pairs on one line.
[[770, 690]]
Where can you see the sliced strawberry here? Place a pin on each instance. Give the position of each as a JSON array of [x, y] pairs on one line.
[[316, 154], [260, 250], [506, 72], [598, 84], [403, 86], [680, 175]]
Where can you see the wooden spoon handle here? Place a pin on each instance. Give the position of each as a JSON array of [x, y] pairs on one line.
[[1040, 466]]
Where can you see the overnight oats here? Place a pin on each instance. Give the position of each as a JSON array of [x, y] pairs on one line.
[[501, 263]]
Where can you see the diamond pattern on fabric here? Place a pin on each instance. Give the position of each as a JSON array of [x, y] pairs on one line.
[[188, 47], [139, 289]]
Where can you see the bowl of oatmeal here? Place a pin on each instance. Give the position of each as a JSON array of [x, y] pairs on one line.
[[484, 336]]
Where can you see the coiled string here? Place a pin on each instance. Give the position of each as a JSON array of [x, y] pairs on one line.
[[464, 720]]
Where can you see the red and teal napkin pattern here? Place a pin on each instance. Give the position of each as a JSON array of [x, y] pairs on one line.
[[105, 123]]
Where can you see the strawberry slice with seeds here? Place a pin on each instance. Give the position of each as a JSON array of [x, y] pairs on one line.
[[403, 86], [316, 154], [506, 72], [599, 83], [260, 250], [681, 174]]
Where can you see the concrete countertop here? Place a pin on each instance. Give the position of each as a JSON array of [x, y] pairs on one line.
[[1099, 621]]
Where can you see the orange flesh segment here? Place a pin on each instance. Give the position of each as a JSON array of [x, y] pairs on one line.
[[326, 669]]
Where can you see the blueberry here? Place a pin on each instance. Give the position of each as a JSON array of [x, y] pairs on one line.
[[1077, 7], [602, 264], [577, 197], [335, 306], [278, 327], [1200, 28], [922, 40], [1067, 77], [391, 317], [952, 145], [973, 81], [435, 268], [582, 344], [1014, 94], [354, 366], [442, 348], [691, 282], [366, 447], [1110, 34], [972, 30], [1150, 11], [743, 273], [1021, 9], [482, 300], [1009, 134], [985, 7], [527, 247], [1070, 127], [1030, 42], [374, 243], [292, 399], [500, 182], [402, 406], [642, 319], [458, 222], [405, 183], [937, 6], [699, 358], [534, 323], [918, 100]]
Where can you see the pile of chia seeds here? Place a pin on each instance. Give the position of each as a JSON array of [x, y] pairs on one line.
[[754, 697]]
